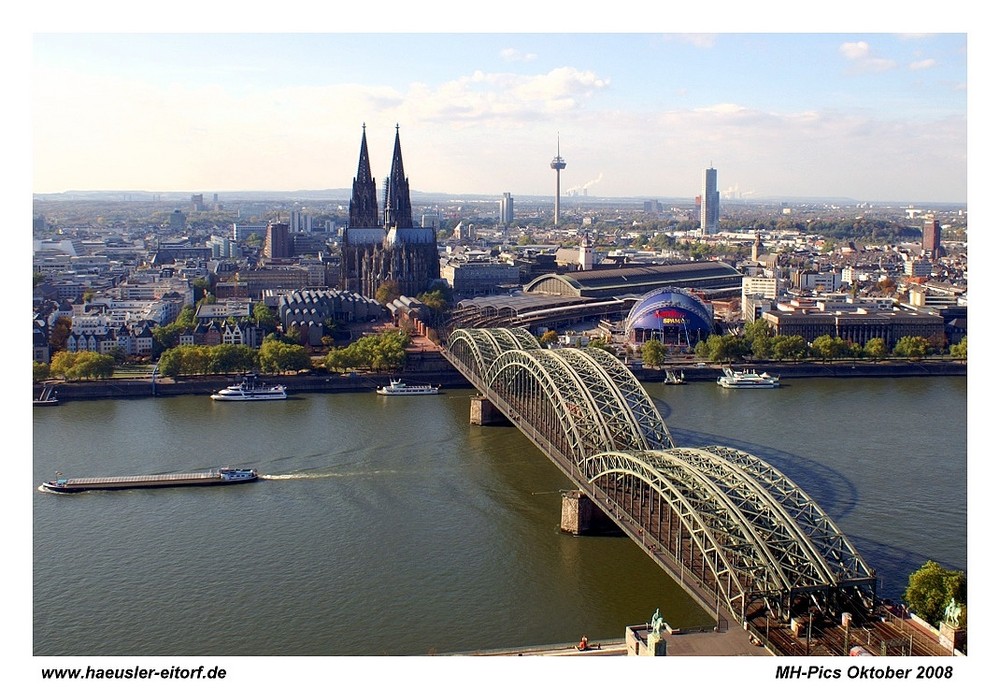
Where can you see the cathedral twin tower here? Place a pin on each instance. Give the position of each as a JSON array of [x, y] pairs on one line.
[[387, 249]]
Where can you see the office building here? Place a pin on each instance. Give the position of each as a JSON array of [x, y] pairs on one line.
[[932, 237], [710, 203], [507, 209]]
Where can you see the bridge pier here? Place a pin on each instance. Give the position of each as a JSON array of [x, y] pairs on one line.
[[580, 515], [483, 413]]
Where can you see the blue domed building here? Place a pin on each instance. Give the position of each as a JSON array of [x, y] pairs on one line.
[[675, 317]]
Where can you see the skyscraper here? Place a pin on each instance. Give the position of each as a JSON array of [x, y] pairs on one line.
[[710, 203], [507, 209], [277, 243], [932, 237], [557, 164]]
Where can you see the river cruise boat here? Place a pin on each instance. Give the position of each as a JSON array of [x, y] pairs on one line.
[[747, 379], [398, 387], [220, 477], [251, 389]]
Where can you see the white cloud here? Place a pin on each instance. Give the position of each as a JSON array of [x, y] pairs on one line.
[[861, 57], [699, 40], [923, 64], [515, 55]]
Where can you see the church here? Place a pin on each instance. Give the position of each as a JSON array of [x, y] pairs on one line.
[[379, 248]]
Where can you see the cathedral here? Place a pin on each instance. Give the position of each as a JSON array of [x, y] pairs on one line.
[[377, 250]]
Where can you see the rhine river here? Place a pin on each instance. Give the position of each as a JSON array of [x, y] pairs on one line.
[[379, 512]]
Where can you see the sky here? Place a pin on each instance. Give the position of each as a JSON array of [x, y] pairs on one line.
[[871, 116]]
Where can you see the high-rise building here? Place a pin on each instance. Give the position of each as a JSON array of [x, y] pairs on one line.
[[932, 237], [710, 203], [276, 241], [507, 209], [389, 249], [557, 164]]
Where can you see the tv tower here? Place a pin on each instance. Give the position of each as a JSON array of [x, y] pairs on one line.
[[557, 164]]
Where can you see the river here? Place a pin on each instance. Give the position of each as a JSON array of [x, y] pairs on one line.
[[395, 511]]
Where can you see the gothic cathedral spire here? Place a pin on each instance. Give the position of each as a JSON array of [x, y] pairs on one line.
[[398, 212], [364, 198]]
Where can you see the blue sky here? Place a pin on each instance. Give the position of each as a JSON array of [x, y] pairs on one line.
[[870, 116]]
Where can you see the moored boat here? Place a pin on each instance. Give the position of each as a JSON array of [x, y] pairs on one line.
[[747, 379], [398, 387], [221, 477], [250, 389], [674, 378]]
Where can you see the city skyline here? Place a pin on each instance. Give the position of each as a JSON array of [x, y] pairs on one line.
[[872, 117]]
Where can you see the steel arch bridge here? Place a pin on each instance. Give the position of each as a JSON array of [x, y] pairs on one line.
[[732, 529]]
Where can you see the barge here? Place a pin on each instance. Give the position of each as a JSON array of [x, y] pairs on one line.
[[220, 477]]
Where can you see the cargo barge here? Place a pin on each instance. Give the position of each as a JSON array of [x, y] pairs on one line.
[[221, 477]]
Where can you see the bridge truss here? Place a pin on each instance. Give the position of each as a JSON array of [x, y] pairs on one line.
[[716, 515]]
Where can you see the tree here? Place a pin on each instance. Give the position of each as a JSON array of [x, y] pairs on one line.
[[653, 353], [912, 347], [265, 317], [961, 350], [387, 291], [788, 347], [930, 590], [725, 347], [39, 371], [875, 348], [59, 333], [277, 356], [827, 347], [548, 337], [82, 365]]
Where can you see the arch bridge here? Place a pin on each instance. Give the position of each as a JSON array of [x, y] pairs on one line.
[[736, 533]]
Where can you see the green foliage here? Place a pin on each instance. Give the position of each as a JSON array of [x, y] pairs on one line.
[[265, 317], [383, 352], [39, 371], [192, 360], [387, 291], [876, 349], [277, 356], [912, 347], [82, 365], [653, 353], [726, 347], [167, 336], [788, 347], [827, 348], [930, 590], [961, 350]]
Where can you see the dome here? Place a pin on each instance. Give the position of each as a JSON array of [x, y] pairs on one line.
[[669, 314]]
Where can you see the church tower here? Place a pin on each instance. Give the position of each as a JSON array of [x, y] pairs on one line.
[[397, 209], [364, 198]]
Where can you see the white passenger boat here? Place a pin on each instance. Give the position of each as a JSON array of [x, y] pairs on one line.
[[747, 379], [250, 389], [398, 387]]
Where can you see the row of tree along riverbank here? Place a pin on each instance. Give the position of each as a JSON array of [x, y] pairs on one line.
[[431, 367], [812, 369]]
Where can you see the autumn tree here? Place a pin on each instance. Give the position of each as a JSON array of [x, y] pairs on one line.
[[961, 350], [876, 349]]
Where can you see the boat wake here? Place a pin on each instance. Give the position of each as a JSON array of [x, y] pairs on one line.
[[331, 474]]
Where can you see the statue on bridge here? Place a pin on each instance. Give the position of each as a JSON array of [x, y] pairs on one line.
[[953, 613], [657, 625]]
